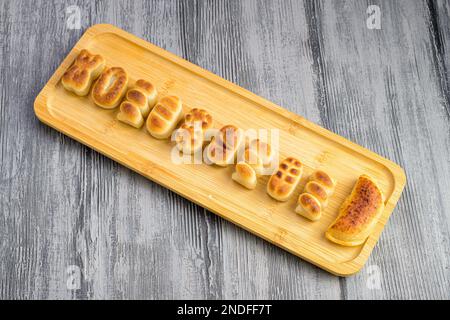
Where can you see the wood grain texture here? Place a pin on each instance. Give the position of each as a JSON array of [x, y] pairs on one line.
[[63, 204]]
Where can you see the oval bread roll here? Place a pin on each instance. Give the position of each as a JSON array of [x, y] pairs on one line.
[[309, 207], [110, 87], [245, 175], [325, 180], [222, 148], [189, 137], [130, 114], [164, 117], [85, 69], [358, 214], [282, 183], [318, 191]]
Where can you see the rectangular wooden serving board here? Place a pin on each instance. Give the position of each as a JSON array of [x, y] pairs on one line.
[[211, 186]]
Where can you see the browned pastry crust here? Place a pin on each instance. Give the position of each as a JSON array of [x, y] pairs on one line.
[[325, 180], [190, 135], [164, 117], [282, 183], [85, 69], [318, 191], [309, 207], [130, 114], [223, 147], [358, 214], [245, 175], [109, 89]]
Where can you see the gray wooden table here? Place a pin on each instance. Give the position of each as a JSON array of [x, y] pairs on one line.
[[68, 211]]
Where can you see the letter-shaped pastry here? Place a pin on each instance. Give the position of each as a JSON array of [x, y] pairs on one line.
[[190, 136], [164, 117], [138, 102], [358, 214], [245, 175], [222, 148], [325, 180], [309, 207], [318, 190], [282, 183], [85, 69], [109, 89]]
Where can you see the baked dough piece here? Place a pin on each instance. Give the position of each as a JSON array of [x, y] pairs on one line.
[[245, 175], [130, 114], [282, 183], [222, 148], [309, 207], [358, 214], [138, 100], [143, 95], [164, 117], [109, 89], [85, 69], [318, 191], [190, 136], [325, 180]]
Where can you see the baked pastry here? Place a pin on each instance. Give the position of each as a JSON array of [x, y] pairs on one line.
[[245, 175], [190, 135], [325, 180], [223, 147], [283, 181], [309, 207], [164, 117], [143, 95], [109, 89], [130, 114], [358, 214], [85, 69], [318, 191], [138, 101]]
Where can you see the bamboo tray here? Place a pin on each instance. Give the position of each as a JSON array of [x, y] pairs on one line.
[[211, 186]]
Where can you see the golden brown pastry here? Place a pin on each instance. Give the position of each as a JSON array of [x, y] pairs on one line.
[[85, 69], [109, 89], [318, 191], [164, 117], [245, 175], [325, 180], [358, 214], [190, 136], [223, 147], [143, 95], [309, 207], [282, 183], [138, 99], [130, 114]]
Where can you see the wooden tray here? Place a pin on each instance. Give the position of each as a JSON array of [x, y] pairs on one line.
[[211, 186]]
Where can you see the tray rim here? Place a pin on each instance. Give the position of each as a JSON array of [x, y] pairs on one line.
[[345, 268]]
